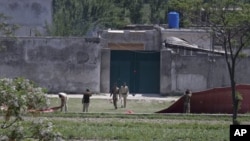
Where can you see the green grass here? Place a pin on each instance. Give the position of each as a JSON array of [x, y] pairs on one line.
[[104, 106], [117, 129], [103, 122], [134, 127]]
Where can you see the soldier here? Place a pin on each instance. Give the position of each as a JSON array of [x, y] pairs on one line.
[[115, 93], [124, 90], [64, 98], [86, 100], [187, 97]]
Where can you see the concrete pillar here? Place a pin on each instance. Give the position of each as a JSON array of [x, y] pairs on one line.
[[165, 72], [105, 70]]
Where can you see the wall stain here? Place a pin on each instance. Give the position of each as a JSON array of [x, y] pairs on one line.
[[82, 57], [37, 8], [13, 6]]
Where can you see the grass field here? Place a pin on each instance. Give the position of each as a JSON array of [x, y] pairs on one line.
[[104, 105], [104, 123]]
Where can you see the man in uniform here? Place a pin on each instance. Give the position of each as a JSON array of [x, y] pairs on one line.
[[64, 98], [115, 92], [187, 97], [86, 100], [124, 90]]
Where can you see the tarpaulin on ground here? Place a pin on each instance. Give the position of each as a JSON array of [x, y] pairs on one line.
[[46, 110], [216, 100]]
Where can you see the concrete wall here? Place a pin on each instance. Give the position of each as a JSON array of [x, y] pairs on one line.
[[58, 64], [31, 15], [68, 64], [105, 70], [177, 72], [74, 64], [199, 72], [165, 71], [150, 38]]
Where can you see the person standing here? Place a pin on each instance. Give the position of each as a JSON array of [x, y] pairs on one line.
[[187, 99], [114, 92], [86, 100], [124, 90], [64, 98]]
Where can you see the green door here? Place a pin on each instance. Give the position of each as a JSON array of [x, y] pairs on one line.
[[139, 69]]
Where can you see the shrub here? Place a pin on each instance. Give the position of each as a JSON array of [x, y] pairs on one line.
[[17, 97]]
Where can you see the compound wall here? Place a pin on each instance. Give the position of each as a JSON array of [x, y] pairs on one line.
[[58, 64], [74, 64], [198, 73], [32, 16]]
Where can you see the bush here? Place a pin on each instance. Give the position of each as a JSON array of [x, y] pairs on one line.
[[17, 97]]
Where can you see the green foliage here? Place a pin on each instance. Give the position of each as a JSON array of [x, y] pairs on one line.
[[17, 97], [20, 95], [43, 130], [5, 28], [79, 17], [236, 122], [76, 18], [229, 20], [187, 9], [143, 127], [15, 132]]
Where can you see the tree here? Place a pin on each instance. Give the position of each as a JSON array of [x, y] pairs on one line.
[[159, 10], [6, 29], [187, 10], [229, 21], [78, 17]]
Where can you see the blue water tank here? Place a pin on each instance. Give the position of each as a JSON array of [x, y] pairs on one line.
[[173, 20]]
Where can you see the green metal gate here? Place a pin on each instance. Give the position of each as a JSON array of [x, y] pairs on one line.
[[139, 69]]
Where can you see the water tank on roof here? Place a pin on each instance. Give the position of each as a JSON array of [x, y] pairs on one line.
[[173, 20]]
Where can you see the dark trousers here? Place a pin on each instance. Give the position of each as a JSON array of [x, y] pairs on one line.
[[115, 102]]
